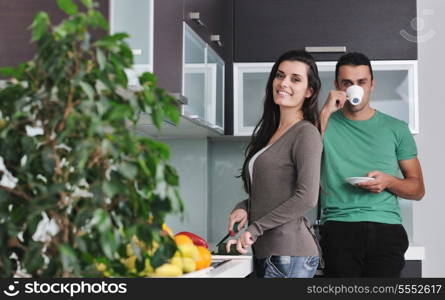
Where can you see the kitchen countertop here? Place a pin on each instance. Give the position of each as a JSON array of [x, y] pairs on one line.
[[240, 266], [232, 266]]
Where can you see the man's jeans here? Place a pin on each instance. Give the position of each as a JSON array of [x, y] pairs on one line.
[[286, 266]]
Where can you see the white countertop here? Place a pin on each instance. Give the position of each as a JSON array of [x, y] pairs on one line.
[[415, 253], [240, 266], [237, 266]]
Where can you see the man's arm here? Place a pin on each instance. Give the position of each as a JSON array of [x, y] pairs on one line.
[[335, 101], [410, 187]]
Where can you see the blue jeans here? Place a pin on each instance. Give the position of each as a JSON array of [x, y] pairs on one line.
[[286, 266]]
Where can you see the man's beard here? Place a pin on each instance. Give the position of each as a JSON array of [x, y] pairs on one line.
[[354, 108]]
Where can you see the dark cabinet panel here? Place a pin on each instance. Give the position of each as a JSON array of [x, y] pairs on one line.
[[412, 269], [264, 29], [214, 21], [167, 43], [15, 19]]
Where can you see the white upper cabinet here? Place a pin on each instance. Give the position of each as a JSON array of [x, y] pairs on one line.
[[203, 82], [395, 91], [135, 17]]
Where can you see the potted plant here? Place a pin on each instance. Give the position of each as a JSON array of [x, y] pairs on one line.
[[81, 194]]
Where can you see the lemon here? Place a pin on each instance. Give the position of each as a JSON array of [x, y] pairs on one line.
[[188, 265], [189, 251], [177, 261], [167, 270]]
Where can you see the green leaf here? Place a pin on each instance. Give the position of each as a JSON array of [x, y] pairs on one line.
[[110, 41], [6, 270], [147, 79], [101, 220], [84, 215], [110, 189], [161, 148], [128, 170], [108, 243], [69, 258], [157, 116], [87, 89], [39, 26], [80, 244], [67, 6], [88, 3], [48, 160], [172, 113], [101, 59], [33, 257], [171, 176], [163, 253], [97, 19], [8, 71], [19, 213]]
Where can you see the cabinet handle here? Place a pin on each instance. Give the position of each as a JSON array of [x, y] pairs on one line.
[[326, 49], [195, 17], [136, 51], [217, 39]]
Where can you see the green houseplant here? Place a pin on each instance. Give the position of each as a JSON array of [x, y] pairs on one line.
[[80, 191]]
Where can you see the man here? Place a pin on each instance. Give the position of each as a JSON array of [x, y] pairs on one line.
[[362, 232]]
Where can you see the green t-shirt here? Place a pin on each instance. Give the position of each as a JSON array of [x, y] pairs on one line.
[[354, 148]]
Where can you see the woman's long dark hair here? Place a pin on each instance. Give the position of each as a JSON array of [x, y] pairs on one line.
[[270, 119]]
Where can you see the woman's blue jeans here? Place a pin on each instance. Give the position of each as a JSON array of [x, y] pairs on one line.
[[286, 266]]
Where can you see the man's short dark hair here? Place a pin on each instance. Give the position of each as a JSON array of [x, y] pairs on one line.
[[353, 59]]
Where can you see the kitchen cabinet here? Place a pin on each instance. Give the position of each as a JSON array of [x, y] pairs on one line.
[[207, 18], [135, 17], [215, 27], [265, 29], [15, 19], [203, 81], [395, 93], [184, 63], [155, 29]]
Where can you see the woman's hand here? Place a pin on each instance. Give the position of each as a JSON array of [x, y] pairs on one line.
[[238, 215], [242, 244]]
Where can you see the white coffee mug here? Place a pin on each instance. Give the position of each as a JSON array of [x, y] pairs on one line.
[[354, 94]]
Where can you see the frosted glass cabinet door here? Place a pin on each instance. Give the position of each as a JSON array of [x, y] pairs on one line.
[[215, 69], [249, 90], [194, 74], [135, 17], [395, 91], [203, 81]]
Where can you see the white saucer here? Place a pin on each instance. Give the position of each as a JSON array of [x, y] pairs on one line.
[[355, 180]]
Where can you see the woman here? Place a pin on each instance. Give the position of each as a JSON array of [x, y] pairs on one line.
[[281, 173]]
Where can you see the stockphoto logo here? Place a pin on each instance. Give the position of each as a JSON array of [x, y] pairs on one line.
[[12, 290], [67, 288]]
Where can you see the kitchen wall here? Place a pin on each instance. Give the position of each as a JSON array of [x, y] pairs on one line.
[[189, 157], [208, 185], [428, 214], [225, 189]]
